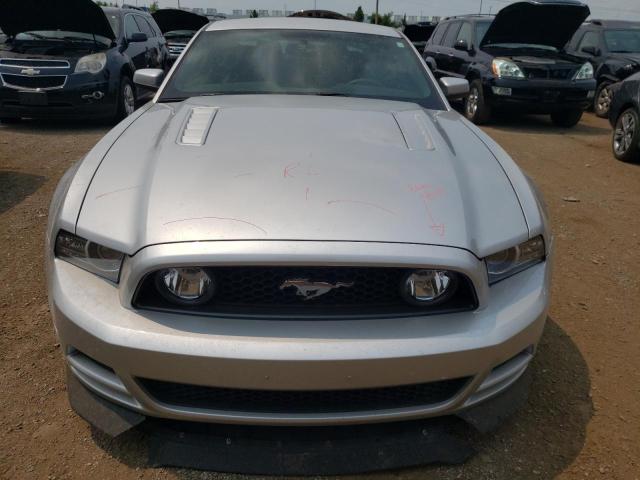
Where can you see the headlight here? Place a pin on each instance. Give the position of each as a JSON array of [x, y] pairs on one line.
[[585, 72], [428, 287], [91, 63], [514, 260], [185, 286], [506, 69], [89, 256]]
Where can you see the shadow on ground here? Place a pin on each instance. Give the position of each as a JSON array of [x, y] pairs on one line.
[[540, 441], [15, 187], [56, 127], [542, 124]]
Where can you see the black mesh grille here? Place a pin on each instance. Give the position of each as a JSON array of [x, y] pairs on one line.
[[23, 62], [549, 73], [280, 401], [48, 81], [260, 291]]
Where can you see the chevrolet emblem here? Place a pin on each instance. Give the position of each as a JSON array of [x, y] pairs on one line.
[[30, 71]]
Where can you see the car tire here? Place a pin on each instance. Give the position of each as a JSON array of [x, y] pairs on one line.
[[602, 101], [566, 118], [626, 136], [126, 99], [476, 108]]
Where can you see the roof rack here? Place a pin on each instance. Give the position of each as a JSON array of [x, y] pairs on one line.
[[469, 15], [132, 7]]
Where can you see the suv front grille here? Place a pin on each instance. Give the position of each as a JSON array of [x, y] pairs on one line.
[[302, 401], [29, 82], [256, 291], [36, 63], [544, 73]]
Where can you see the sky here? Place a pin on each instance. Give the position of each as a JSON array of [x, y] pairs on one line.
[[612, 9]]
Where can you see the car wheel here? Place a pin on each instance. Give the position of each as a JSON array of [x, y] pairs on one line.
[[626, 136], [566, 118], [475, 106], [126, 99], [602, 102]]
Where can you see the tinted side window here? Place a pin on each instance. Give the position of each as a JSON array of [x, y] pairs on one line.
[[481, 31], [590, 39], [452, 34], [144, 26], [465, 33], [130, 26], [436, 39]]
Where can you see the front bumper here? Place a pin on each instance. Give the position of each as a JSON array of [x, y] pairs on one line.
[[541, 96], [78, 98], [109, 347]]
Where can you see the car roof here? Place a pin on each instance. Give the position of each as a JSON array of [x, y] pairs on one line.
[[302, 23], [471, 16], [612, 23]]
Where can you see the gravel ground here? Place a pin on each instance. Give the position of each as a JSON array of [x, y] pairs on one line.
[[583, 415]]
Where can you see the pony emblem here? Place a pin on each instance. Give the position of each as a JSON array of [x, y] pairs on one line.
[[309, 290]]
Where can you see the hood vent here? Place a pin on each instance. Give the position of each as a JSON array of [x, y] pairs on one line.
[[197, 126]]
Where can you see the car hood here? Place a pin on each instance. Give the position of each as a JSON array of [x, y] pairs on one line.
[[170, 19], [627, 57], [549, 22], [301, 168], [69, 15]]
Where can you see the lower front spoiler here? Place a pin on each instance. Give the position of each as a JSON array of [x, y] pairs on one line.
[[332, 450]]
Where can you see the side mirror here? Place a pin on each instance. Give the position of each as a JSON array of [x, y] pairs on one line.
[[595, 51], [454, 88], [138, 37], [462, 45], [431, 63], [149, 77]]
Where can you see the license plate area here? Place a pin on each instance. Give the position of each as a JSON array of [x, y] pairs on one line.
[[549, 96], [33, 99]]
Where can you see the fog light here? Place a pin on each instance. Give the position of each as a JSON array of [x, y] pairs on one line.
[[502, 91], [428, 287], [186, 285]]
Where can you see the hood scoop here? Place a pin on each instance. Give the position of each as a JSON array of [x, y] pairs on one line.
[[197, 126]]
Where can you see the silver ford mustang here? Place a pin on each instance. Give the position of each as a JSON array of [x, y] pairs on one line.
[[298, 230]]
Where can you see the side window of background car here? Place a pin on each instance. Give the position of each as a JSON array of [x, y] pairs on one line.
[[465, 34], [130, 26], [436, 39], [144, 27], [452, 34], [590, 42]]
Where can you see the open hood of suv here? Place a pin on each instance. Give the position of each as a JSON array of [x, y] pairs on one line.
[[170, 19], [542, 22], [82, 16]]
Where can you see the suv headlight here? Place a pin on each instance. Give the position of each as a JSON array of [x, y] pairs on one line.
[[89, 256], [514, 260], [506, 69], [585, 72], [91, 63]]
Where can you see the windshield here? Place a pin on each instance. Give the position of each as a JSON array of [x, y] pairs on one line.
[[481, 30], [303, 62], [114, 21], [62, 36], [623, 41]]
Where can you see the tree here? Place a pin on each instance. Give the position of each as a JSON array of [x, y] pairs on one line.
[[359, 15], [254, 14], [153, 7], [385, 20]]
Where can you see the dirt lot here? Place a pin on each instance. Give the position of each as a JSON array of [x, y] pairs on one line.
[[583, 416]]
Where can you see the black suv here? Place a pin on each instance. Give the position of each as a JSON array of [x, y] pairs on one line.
[[613, 47], [73, 59], [516, 60]]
